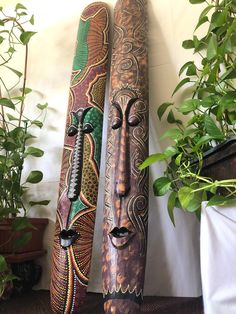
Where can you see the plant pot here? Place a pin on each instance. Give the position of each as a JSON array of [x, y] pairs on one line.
[[218, 259], [219, 163], [7, 238]]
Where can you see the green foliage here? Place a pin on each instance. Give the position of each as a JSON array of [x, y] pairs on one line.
[[16, 127], [26, 36], [161, 186], [5, 275], [209, 114]]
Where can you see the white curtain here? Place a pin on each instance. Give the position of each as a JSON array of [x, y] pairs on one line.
[[218, 259]]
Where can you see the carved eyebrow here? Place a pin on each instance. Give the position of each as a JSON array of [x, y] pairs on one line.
[[117, 106], [130, 104], [119, 110]]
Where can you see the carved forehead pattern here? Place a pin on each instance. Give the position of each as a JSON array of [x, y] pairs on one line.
[[129, 56]]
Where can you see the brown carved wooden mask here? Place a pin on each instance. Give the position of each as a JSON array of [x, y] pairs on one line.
[[126, 188]]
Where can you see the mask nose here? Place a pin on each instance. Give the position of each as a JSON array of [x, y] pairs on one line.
[[123, 165], [77, 166]]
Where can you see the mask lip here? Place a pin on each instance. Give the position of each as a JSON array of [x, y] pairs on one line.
[[120, 237]]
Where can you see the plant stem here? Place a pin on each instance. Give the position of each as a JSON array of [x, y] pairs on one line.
[[3, 113], [24, 85], [217, 5], [14, 20]]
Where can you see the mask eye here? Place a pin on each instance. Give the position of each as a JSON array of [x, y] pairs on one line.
[[116, 116], [88, 128], [116, 123], [134, 115], [134, 120], [72, 130]]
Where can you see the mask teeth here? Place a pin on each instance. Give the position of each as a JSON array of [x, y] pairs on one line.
[[123, 290]]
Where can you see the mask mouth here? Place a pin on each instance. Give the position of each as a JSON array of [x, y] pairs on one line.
[[68, 237], [120, 237], [120, 232]]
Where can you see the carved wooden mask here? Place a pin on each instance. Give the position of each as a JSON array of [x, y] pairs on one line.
[[80, 163], [126, 188]]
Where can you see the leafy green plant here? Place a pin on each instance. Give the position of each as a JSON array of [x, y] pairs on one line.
[[15, 126], [204, 119], [5, 276]]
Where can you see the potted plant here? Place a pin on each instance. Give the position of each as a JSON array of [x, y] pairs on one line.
[[204, 124], [17, 144], [200, 173]]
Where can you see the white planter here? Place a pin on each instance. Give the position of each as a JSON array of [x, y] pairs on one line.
[[218, 259]]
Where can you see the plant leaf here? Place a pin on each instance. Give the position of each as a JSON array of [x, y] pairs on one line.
[[174, 134], [7, 103], [18, 73], [162, 109], [219, 200], [3, 264], [42, 106], [11, 117], [161, 186], [212, 48], [29, 136], [171, 118], [185, 66], [31, 20], [170, 151], [37, 123], [43, 203], [21, 223], [9, 277], [206, 11], [230, 74], [189, 105], [181, 83], [27, 90], [4, 212], [151, 160], [20, 6], [219, 18], [228, 101], [212, 129], [11, 50], [204, 139], [192, 70], [185, 195], [196, 1], [22, 240], [188, 44], [20, 98], [26, 36], [33, 151], [171, 206], [201, 21], [35, 176], [178, 159], [195, 203]]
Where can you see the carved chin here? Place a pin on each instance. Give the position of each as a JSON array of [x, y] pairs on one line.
[[120, 237]]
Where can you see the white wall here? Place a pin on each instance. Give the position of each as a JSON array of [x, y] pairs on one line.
[[173, 253]]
